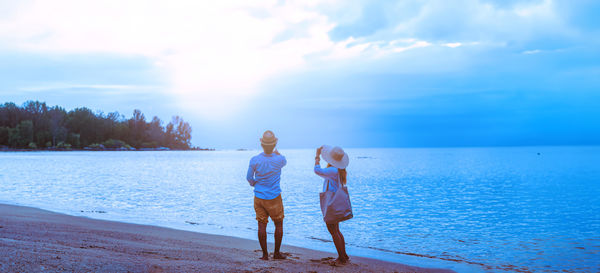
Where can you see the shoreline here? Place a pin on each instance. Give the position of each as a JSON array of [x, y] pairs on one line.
[[35, 240]]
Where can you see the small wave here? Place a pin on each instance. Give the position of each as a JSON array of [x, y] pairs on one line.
[[93, 211], [319, 239], [504, 267]]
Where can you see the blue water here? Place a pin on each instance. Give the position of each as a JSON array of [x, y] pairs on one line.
[[492, 209]]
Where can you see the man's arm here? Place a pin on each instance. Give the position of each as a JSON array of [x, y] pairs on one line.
[[250, 176], [283, 160]]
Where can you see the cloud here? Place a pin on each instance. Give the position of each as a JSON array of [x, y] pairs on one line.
[[452, 45], [100, 87], [487, 23], [217, 55], [534, 51]]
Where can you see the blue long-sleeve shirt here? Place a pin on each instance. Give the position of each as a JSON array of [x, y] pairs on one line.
[[264, 174], [330, 175]]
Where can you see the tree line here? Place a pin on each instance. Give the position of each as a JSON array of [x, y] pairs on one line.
[[36, 125]]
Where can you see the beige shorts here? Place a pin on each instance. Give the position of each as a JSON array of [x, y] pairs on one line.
[[268, 208]]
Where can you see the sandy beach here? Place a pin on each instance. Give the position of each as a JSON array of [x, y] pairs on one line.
[[35, 240]]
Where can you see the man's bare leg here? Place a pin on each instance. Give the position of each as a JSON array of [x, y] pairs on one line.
[[262, 239], [278, 237]]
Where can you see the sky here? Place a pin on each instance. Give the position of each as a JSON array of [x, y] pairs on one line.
[[413, 73]]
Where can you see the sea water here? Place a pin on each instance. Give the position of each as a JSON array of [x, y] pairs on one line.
[[485, 209]]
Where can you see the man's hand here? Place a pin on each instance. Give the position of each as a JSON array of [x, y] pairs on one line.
[[276, 152]]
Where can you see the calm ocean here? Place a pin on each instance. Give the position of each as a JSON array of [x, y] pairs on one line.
[[485, 209]]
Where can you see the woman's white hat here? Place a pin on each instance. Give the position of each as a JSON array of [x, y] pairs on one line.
[[335, 156]]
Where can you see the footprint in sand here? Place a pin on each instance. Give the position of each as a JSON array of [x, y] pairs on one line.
[[322, 260], [289, 255], [286, 254]]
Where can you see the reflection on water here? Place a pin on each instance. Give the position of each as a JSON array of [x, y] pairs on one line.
[[495, 208]]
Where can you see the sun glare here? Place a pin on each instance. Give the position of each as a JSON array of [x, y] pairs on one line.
[[213, 54]]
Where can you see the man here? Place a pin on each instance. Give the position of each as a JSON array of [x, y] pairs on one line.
[[264, 174]]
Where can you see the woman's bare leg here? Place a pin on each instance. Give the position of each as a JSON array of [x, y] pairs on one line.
[[338, 241], [344, 254]]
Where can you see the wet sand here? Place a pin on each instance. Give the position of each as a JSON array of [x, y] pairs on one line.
[[34, 240]]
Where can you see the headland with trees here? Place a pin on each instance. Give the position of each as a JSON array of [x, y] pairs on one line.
[[37, 126]]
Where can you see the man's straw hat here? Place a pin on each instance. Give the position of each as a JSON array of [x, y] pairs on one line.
[[268, 138]]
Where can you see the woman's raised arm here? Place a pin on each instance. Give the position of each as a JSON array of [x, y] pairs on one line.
[[318, 156]]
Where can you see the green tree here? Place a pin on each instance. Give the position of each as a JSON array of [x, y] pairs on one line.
[[37, 112], [25, 132], [179, 133], [56, 123], [155, 133], [36, 125], [84, 122], [22, 135], [74, 139], [10, 115], [4, 135], [13, 137], [137, 128]]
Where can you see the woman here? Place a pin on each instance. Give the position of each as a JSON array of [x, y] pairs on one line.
[[334, 174]]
